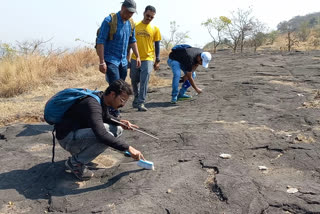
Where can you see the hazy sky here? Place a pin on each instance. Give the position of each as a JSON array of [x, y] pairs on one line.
[[66, 20]]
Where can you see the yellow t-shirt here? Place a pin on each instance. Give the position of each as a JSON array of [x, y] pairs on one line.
[[146, 35]]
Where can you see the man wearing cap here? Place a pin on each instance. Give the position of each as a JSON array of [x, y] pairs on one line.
[[148, 40], [112, 52], [186, 59]]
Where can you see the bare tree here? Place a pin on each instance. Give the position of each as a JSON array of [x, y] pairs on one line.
[[32, 47], [288, 28], [234, 35], [176, 37], [258, 37], [243, 23], [218, 24], [239, 28]]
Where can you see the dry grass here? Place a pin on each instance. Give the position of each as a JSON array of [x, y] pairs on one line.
[[28, 82], [311, 43], [21, 74]]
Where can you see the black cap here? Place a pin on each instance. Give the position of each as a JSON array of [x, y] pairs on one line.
[[130, 5]]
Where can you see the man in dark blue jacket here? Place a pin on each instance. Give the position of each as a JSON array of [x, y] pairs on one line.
[[87, 129]]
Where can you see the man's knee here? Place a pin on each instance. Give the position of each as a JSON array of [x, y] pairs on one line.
[[116, 131], [119, 131]]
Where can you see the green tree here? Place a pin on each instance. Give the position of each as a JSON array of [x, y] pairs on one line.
[[7, 50], [304, 31], [258, 36], [272, 36], [217, 24]]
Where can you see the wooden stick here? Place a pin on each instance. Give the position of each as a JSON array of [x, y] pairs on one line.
[[150, 135]]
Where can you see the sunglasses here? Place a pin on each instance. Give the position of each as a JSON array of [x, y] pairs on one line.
[[149, 16]]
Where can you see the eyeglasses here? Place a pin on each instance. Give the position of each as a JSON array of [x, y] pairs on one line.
[[122, 99]]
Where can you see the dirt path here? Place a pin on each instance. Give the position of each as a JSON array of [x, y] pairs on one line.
[[261, 109]]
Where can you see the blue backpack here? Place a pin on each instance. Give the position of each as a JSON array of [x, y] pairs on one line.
[[181, 46], [59, 104], [56, 107]]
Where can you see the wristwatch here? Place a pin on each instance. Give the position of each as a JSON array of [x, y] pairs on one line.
[[157, 60]]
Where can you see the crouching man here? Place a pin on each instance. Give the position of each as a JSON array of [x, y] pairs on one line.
[[87, 129]]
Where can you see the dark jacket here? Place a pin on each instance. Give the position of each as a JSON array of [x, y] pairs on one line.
[[187, 57], [88, 113]]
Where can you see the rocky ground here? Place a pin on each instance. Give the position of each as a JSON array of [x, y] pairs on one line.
[[262, 109]]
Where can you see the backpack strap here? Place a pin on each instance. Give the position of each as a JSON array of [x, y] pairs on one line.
[[132, 26], [113, 25], [53, 143]]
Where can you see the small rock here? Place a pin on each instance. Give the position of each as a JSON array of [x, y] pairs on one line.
[[169, 191], [263, 168], [292, 190], [225, 156]]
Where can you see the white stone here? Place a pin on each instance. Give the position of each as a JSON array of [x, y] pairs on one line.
[[225, 156]]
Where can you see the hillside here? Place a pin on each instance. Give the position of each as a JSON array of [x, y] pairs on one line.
[[261, 109]]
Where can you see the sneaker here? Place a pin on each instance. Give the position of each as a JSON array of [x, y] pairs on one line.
[[142, 108], [135, 103], [184, 97], [79, 170], [92, 166], [174, 100]]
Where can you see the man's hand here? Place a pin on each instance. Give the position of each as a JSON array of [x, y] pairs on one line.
[[138, 62], [156, 66], [199, 90], [103, 68], [128, 125], [135, 154]]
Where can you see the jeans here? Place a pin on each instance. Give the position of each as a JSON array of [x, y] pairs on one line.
[[83, 144], [176, 70], [140, 80], [115, 72]]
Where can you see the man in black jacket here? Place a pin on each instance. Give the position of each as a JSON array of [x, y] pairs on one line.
[[87, 129], [187, 59]]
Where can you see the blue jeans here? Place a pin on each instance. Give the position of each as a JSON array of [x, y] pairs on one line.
[[140, 76], [176, 70], [115, 72], [83, 144]]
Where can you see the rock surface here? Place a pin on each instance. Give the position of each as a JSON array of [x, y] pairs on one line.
[[262, 109]]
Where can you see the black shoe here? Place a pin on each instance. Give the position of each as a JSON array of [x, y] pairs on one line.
[[92, 166], [135, 105], [79, 170]]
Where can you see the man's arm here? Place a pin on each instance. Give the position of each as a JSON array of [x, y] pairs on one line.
[[157, 52], [134, 47], [193, 84], [101, 38], [102, 63]]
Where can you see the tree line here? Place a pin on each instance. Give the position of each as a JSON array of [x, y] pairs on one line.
[[243, 29]]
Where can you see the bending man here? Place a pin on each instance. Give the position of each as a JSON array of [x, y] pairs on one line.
[[187, 59]]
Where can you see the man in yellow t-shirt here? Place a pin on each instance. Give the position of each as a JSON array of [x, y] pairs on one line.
[[148, 41]]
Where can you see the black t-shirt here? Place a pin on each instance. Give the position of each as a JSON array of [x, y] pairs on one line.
[[186, 57], [88, 113]]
